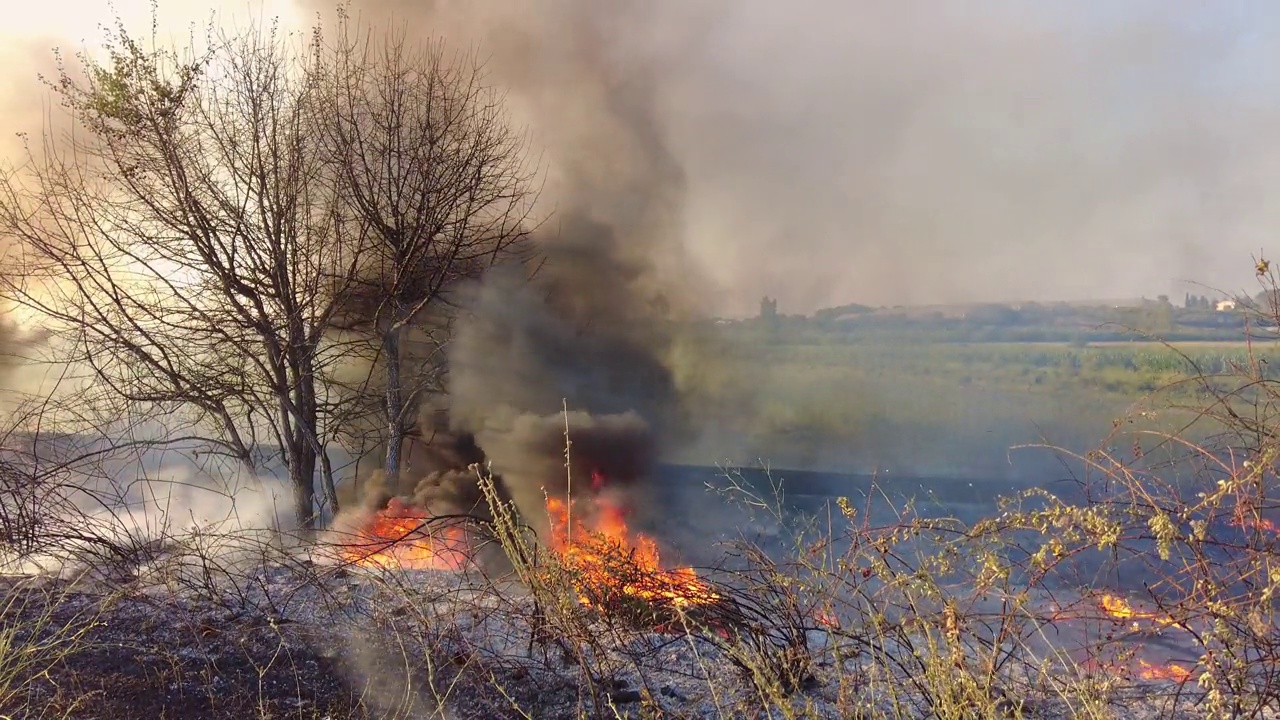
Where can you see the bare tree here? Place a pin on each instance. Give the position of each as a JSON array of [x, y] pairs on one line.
[[185, 242], [438, 180]]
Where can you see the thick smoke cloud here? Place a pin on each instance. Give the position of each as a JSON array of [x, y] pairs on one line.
[[584, 330], [703, 153], [588, 326], [582, 335], [903, 152], [826, 152], [909, 152]]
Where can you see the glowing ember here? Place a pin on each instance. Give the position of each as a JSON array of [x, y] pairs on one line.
[[1120, 609], [826, 619], [400, 537], [610, 561], [1172, 672], [1250, 524]]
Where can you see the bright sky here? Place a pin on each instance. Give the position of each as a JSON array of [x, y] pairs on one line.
[[33, 28], [896, 152], [73, 25], [78, 20]]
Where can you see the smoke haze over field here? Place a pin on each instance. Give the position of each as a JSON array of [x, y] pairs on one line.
[[827, 152], [907, 152], [703, 153]]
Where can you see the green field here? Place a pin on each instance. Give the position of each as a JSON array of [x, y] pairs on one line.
[[944, 408], [1124, 370]]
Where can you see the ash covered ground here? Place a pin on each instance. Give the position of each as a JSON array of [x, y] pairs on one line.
[[426, 644], [296, 634]]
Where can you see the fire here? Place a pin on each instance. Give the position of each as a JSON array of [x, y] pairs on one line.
[[1120, 609], [1265, 525], [611, 561], [399, 537], [827, 619], [1250, 524], [1172, 672]]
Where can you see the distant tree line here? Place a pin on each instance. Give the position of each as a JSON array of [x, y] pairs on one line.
[[996, 322]]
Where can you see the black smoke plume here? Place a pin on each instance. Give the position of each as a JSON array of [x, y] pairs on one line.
[[589, 327], [586, 335]]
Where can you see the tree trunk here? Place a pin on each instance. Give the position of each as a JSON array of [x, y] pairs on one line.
[[310, 424], [303, 443], [302, 473], [327, 484], [394, 408]]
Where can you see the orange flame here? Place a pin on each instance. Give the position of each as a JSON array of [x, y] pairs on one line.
[[400, 537], [1172, 672], [827, 619], [607, 557], [1248, 523], [610, 560], [1120, 609]]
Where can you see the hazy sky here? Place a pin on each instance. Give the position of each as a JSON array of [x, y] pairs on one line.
[[919, 151]]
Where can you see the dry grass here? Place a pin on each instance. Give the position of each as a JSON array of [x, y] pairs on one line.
[[920, 617], [915, 617], [868, 611]]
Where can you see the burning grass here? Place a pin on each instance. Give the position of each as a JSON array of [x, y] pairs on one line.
[[926, 615], [403, 537], [898, 616], [612, 565], [1148, 588], [612, 569], [911, 618]]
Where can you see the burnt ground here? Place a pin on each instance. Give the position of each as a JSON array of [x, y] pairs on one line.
[[140, 657], [306, 647], [311, 643]]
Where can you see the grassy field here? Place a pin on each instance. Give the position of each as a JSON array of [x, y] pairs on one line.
[[942, 408]]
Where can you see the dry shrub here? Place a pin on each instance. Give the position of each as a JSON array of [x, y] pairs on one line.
[[914, 616], [35, 638], [875, 610]]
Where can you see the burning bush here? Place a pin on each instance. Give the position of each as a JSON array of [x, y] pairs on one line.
[[615, 567], [399, 536], [614, 570]]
